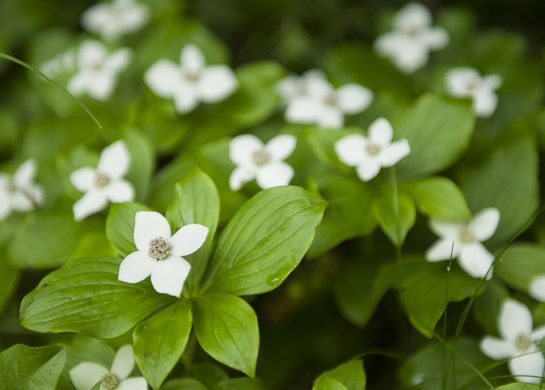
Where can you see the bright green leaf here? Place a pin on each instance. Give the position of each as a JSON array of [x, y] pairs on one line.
[[241, 384], [142, 163], [350, 375], [520, 264], [120, 226]]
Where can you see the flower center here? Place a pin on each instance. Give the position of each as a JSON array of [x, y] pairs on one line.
[[261, 157], [472, 86], [101, 180], [109, 381], [522, 342], [330, 99], [412, 31], [191, 75], [159, 248], [372, 149], [10, 186], [465, 235]]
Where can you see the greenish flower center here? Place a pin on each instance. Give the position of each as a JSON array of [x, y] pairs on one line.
[[465, 235], [101, 180], [261, 157], [159, 248], [523, 342], [372, 149], [191, 75], [109, 381], [330, 99]]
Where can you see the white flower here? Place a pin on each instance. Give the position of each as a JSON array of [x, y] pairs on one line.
[[265, 163], [467, 82], [370, 154], [463, 241], [111, 20], [59, 64], [18, 192], [105, 183], [413, 37], [159, 253], [97, 70], [537, 288], [325, 106], [192, 81], [86, 375], [518, 342], [294, 86]]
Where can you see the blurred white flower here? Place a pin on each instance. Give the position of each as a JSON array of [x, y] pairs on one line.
[[463, 241], [412, 38], [87, 375], [97, 70], [325, 106], [467, 82], [265, 163], [537, 288], [105, 183], [61, 63], [18, 192], [111, 20], [294, 86], [159, 253], [192, 81], [370, 154], [518, 343]]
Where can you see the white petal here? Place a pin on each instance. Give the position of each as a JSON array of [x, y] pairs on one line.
[[168, 276], [86, 375], [459, 81], [216, 83], [115, 160], [188, 239], [22, 201], [273, 175], [514, 319], [138, 383], [5, 206], [537, 288], [136, 267], [412, 16], [484, 224], [538, 334], [381, 132], [496, 348], [493, 81], [24, 175], [528, 368], [239, 177], [302, 110], [476, 260], [118, 60], [281, 146], [353, 98], [328, 116], [368, 169], [123, 363], [394, 152], [185, 98], [351, 149], [445, 229], [242, 149], [90, 203], [318, 88], [119, 191], [407, 54], [192, 59], [443, 249], [289, 87], [91, 53], [485, 102], [436, 38], [100, 86], [78, 84], [149, 225], [83, 178], [161, 78]]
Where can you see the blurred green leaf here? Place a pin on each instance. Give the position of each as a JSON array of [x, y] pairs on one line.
[[350, 376]]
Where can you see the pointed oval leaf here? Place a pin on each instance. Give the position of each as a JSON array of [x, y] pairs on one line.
[[120, 226]]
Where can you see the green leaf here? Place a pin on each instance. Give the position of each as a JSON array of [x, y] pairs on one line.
[[31, 368], [395, 213], [438, 131], [520, 386], [327, 383], [196, 201], [265, 241], [85, 296], [350, 375], [226, 327], [9, 279], [184, 384], [520, 264], [439, 198], [160, 340], [427, 296], [347, 215], [142, 163], [241, 384], [508, 181], [120, 226]]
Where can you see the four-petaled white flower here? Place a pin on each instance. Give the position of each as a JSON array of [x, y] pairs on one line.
[[325, 106], [294, 86], [86, 375], [97, 70], [159, 253], [467, 82], [19, 192], [105, 183], [413, 37], [537, 288], [265, 163], [370, 154], [518, 343], [463, 241], [192, 81], [111, 20]]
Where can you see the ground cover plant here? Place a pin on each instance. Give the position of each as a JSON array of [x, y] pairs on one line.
[[273, 195]]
